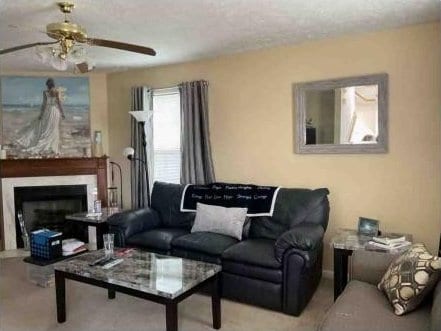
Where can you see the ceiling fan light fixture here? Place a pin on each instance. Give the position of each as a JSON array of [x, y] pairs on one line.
[[77, 55], [44, 54], [57, 59], [58, 63]]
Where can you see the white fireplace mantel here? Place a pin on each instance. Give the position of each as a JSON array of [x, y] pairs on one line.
[[8, 203]]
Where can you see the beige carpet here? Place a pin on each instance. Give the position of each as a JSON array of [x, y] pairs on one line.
[[24, 306]]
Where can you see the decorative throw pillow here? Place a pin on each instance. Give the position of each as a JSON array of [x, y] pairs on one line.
[[410, 278], [222, 220]]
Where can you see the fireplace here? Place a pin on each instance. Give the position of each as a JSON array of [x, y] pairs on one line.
[[35, 173], [47, 206]]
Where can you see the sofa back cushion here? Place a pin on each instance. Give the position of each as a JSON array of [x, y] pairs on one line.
[[293, 207], [166, 200], [370, 266], [435, 323]]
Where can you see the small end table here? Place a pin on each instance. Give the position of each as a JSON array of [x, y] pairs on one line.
[[98, 222], [344, 243]]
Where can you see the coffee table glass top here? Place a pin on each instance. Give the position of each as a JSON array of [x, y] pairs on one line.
[[161, 275]]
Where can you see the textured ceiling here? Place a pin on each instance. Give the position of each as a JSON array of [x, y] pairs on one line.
[[183, 30]]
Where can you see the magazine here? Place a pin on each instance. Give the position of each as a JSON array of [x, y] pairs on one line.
[[394, 246], [389, 239]]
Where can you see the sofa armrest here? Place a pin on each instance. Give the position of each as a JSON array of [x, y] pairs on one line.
[[305, 237], [302, 271], [127, 223]]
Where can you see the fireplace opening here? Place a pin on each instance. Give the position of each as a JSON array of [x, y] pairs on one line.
[[47, 206]]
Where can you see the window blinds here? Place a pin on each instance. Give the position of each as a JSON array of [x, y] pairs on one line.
[[167, 135]]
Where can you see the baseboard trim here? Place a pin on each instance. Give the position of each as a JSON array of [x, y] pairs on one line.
[[328, 274], [14, 253]]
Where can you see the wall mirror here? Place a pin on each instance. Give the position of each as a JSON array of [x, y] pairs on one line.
[[347, 115]]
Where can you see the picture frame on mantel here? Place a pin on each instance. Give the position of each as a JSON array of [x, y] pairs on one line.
[[38, 123]]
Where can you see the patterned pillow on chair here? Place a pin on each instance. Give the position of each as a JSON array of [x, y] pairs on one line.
[[410, 278]]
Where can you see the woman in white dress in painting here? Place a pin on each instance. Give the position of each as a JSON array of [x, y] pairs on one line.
[[42, 137]]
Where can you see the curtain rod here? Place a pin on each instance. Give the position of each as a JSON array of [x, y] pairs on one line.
[[170, 87]]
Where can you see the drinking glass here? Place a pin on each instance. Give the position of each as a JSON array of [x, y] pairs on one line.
[[108, 239]]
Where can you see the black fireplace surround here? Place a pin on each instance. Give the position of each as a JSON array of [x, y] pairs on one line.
[[47, 206], [277, 265]]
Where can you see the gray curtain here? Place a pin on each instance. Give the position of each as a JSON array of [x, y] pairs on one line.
[[142, 142], [196, 159]]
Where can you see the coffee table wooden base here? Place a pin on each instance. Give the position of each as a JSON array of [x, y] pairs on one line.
[[171, 305]]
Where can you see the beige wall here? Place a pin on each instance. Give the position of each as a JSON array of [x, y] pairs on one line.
[[99, 119], [251, 119], [98, 100]]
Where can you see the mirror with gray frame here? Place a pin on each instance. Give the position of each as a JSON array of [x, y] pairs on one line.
[[347, 115]]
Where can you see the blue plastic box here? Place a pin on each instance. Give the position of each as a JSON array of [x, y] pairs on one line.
[[46, 244]]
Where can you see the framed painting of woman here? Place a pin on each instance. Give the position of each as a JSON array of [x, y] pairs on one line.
[[45, 116]]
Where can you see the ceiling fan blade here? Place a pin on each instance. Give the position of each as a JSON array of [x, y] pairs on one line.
[[17, 48], [122, 46]]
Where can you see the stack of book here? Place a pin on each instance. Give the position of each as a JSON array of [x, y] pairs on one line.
[[388, 243], [73, 246]]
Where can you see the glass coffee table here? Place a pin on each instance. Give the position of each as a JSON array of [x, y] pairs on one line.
[[159, 278]]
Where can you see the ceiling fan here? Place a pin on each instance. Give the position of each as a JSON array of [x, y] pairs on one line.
[[69, 45]]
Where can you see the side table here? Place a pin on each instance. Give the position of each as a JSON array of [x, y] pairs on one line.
[[97, 222], [344, 243]]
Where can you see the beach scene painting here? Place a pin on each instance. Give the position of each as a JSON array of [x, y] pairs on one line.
[[45, 117]]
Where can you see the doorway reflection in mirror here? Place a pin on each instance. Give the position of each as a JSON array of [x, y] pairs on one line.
[[347, 115]]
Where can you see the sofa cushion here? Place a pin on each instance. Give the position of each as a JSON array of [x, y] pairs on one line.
[[204, 242], [252, 271], [257, 252], [292, 207], [410, 278], [166, 200], [222, 220], [362, 307], [436, 309], [370, 266], [158, 238]]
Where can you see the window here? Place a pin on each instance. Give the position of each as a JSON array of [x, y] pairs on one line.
[[167, 135]]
